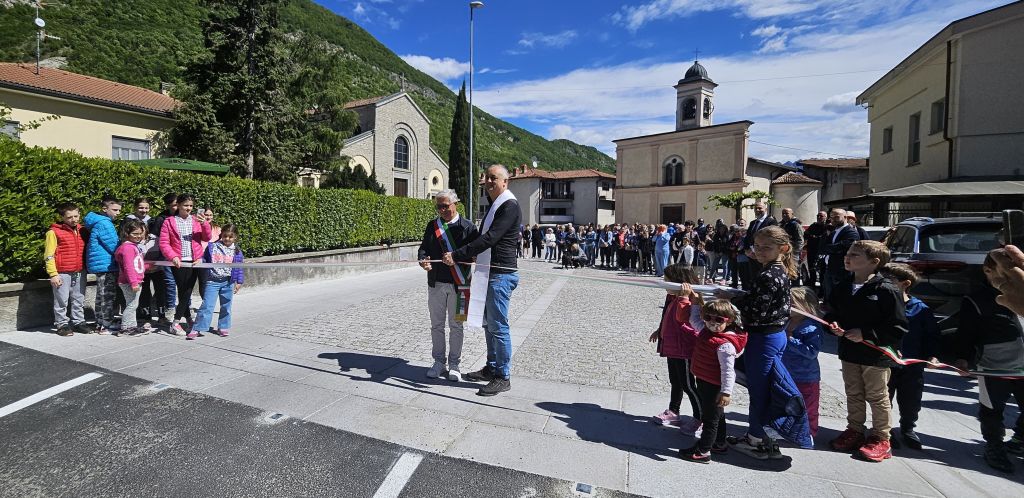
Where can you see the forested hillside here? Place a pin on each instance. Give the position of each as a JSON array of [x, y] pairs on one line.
[[146, 42]]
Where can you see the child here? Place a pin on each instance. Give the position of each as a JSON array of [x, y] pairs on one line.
[[180, 239], [220, 282], [990, 335], [130, 258], [714, 356], [675, 338], [62, 253], [801, 354], [906, 383], [686, 252], [765, 312], [866, 306], [103, 241]]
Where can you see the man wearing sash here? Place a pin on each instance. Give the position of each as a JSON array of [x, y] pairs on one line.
[[447, 286], [494, 279]]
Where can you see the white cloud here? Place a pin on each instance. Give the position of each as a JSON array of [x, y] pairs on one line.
[[487, 70], [556, 40], [359, 12], [842, 103], [766, 31], [442, 69], [772, 45]]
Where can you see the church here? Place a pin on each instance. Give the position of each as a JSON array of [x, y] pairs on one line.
[[668, 177]]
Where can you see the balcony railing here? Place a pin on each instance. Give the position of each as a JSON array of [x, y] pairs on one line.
[[558, 196]]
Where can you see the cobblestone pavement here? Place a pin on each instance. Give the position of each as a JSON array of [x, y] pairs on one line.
[[593, 333]]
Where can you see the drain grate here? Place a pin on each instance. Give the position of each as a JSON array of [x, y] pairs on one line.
[[275, 417], [159, 387], [584, 488]]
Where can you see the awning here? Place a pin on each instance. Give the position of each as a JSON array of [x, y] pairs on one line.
[[955, 189], [180, 164]]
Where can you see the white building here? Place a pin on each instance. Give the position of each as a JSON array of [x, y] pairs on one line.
[[579, 197]]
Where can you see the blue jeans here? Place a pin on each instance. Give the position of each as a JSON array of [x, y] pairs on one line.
[[496, 328], [762, 351], [204, 318], [170, 290]]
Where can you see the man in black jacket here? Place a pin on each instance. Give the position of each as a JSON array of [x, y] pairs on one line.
[[761, 220], [443, 282], [537, 238], [795, 230], [834, 248], [814, 236], [500, 236]]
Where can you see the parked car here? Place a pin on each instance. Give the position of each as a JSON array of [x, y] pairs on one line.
[[948, 254]]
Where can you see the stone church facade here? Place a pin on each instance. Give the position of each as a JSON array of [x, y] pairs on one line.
[[393, 140], [667, 177]]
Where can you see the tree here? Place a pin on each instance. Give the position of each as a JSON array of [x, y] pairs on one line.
[[345, 177], [235, 107], [458, 152], [734, 200]]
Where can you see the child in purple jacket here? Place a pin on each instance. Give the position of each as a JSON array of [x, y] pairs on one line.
[[222, 282]]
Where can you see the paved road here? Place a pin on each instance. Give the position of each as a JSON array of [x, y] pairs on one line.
[[118, 436]]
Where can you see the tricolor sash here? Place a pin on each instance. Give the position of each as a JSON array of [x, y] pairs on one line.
[[462, 287], [482, 271]]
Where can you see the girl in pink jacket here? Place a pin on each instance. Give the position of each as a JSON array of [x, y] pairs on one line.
[[181, 239], [676, 338], [131, 264]]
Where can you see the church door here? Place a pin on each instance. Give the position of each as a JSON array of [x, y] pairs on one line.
[[672, 213], [401, 187]]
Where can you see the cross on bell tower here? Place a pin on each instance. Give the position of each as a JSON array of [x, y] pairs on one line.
[[695, 95]]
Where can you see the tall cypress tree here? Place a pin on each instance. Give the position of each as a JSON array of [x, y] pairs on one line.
[[458, 154]]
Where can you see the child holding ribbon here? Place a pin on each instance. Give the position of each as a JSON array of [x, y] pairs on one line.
[[675, 338]]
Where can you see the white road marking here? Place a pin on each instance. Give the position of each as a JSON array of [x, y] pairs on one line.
[[396, 480], [53, 391]]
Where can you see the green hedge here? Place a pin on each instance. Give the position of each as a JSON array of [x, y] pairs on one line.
[[273, 218]]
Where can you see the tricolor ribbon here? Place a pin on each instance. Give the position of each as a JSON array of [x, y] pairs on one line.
[[462, 286]]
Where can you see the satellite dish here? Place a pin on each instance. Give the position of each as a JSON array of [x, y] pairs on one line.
[[40, 22]]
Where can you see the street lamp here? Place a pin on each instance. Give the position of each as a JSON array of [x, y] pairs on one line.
[[472, 170]]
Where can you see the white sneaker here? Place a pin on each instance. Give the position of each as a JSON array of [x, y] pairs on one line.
[[436, 370], [454, 374]]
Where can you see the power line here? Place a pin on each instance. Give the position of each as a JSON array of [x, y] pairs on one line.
[[830, 154]]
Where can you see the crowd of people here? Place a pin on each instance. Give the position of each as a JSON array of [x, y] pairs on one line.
[[128, 283]]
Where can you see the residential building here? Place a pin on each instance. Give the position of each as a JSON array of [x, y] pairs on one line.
[[580, 197], [96, 117], [948, 115], [668, 177], [840, 178], [393, 140]]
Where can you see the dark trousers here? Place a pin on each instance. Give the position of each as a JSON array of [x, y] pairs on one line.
[[537, 250], [713, 431], [906, 385], [682, 381], [743, 269], [812, 269], [646, 261], [995, 392], [184, 280]]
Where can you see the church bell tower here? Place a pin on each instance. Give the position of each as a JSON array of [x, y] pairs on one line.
[[695, 96]]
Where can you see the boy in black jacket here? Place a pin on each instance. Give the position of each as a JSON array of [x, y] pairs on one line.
[[991, 334], [866, 307]]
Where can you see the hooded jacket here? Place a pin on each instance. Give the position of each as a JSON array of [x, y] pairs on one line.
[[878, 310], [103, 242]]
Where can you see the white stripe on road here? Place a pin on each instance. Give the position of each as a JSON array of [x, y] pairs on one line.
[[396, 480], [53, 391]]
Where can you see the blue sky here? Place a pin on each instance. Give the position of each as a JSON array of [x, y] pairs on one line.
[[598, 70]]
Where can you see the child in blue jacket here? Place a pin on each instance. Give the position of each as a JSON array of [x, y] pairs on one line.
[[906, 383], [99, 258], [221, 282], [803, 336]]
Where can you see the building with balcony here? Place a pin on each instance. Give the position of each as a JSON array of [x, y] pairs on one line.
[[580, 197]]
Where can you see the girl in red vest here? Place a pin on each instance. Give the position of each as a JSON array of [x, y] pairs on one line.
[[675, 338], [720, 342]]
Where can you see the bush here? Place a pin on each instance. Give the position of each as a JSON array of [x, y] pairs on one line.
[[273, 218]]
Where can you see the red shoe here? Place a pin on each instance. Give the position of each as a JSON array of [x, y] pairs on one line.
[[849, 440], [876, 449]]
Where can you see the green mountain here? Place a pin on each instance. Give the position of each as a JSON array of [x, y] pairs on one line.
[[146, 42]]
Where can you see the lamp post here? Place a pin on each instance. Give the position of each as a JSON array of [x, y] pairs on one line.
[[472, 169]]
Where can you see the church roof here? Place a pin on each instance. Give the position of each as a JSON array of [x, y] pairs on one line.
[[695, 73], [795, 178], [691, 130]]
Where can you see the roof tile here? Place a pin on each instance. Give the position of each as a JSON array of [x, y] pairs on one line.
[[80, 86]]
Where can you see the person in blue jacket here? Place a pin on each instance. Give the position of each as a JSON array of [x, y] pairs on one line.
[[906, 383], [99, 260], [803, 343]]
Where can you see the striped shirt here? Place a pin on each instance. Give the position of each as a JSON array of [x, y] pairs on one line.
[[185, 232]]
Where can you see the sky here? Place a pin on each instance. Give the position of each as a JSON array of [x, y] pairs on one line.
[[593, 71]]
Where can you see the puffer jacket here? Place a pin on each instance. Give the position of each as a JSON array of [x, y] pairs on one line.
[[102, 244], [170, 239]]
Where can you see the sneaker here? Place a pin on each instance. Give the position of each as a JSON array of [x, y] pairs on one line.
[[1015, 445], [191, 335], [695, 455], [163, 321], [691, 427], [436, 370], [223, 332], [849, 440], [485, 374], [995, 457], [911, 439], [876, 449], [130, 331], [774, 452], [454, 374], [65, 330], [667, 417], [146, 327], [720, 448], [82, 328], [494, 387], [176, 329], [750, 446], [138, 331], [102, 330]]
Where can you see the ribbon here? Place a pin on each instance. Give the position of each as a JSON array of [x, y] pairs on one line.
[[462, 287]]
